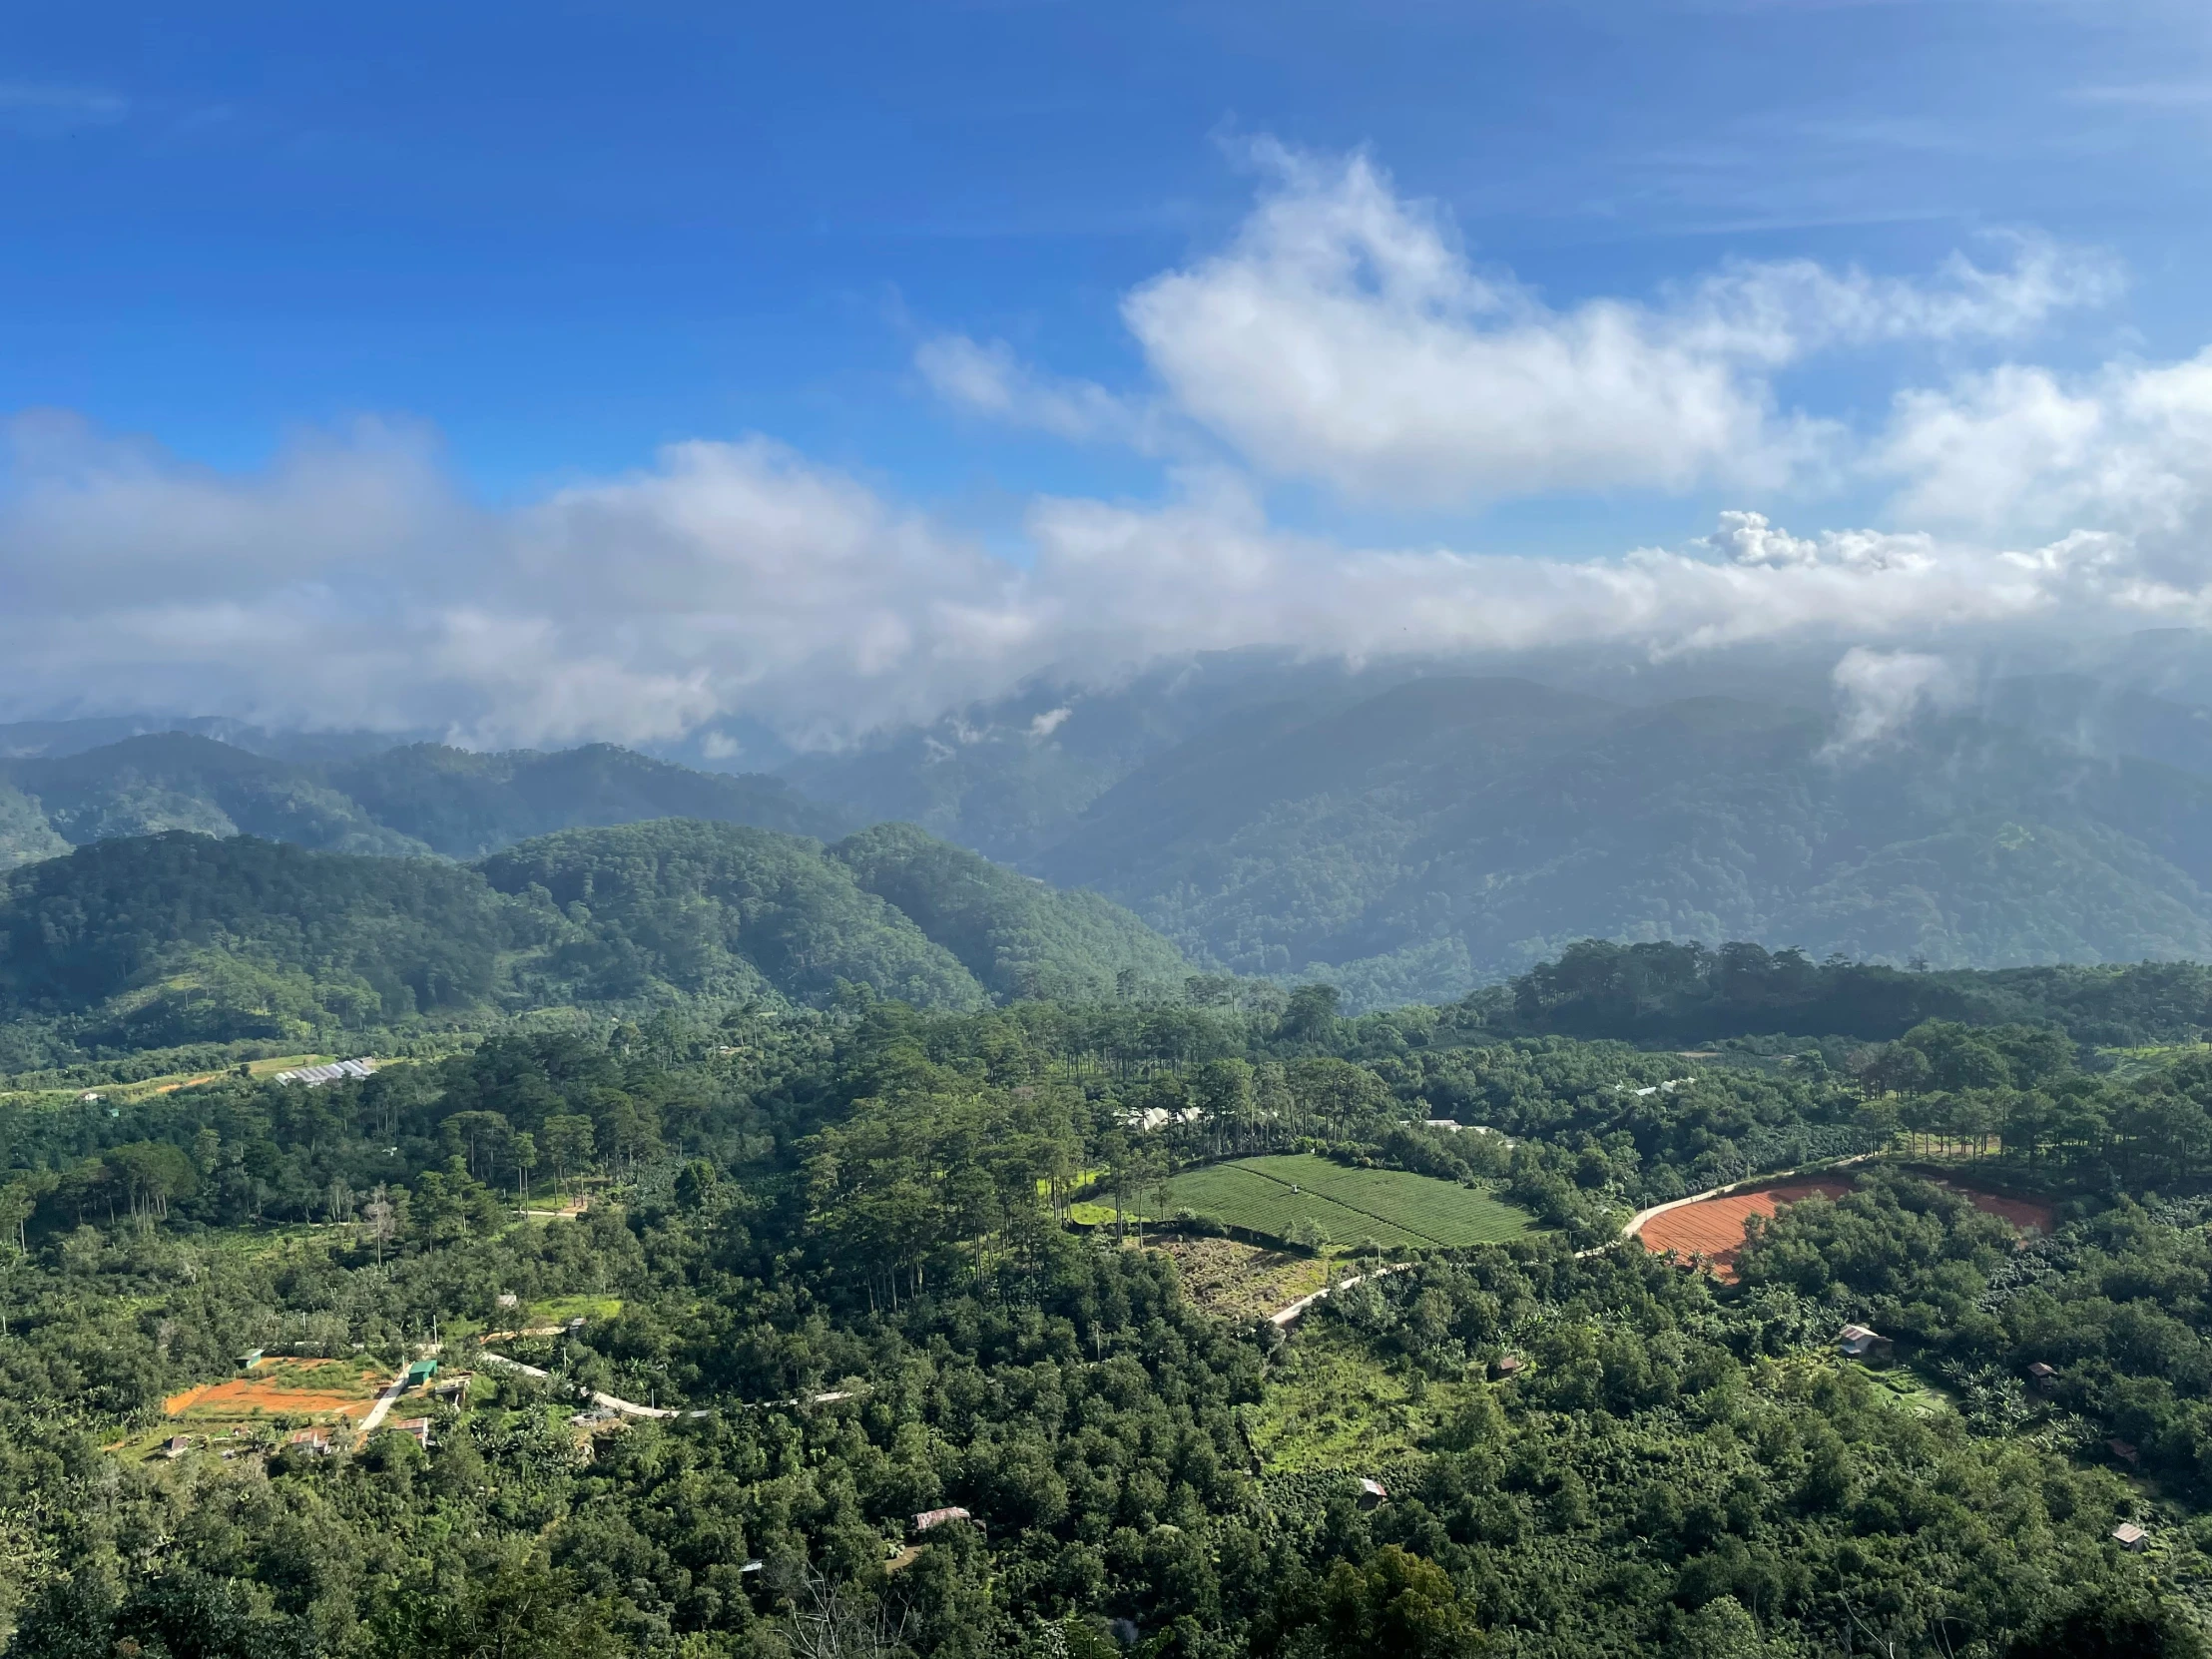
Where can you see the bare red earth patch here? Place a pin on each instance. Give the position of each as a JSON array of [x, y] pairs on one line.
[[1714, 1226]]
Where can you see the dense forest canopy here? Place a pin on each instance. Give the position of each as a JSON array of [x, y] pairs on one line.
[[888, 1260], [179, 939], [776, 1196]]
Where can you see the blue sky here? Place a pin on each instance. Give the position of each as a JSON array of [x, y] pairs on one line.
[[539, 245]]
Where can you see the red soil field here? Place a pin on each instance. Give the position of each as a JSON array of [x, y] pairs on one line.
[[272, 1391], [2023, 1213], [1714, 1226]]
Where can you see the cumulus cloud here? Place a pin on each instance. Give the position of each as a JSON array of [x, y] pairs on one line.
[[1342, 334]]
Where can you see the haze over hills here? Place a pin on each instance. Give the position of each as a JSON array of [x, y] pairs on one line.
[[1405, 832], [419, 798]]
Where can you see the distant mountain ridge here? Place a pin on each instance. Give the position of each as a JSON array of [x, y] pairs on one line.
[[416, 798]]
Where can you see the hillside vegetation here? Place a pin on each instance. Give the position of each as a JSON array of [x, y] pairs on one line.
[[181, 938], [836, 1242]]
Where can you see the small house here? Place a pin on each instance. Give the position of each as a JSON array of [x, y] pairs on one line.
[[419, 1428], [250, 1358], [2043, 1377], [175, 1446], [1510, 1366], [2131, 1538], [937, 1517], [315, 1443], [1372, 1493], [420, 1372], [453, 1388], [2124, 1451], [1858, 1342]]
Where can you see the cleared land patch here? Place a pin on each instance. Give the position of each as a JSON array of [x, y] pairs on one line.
[[1714, 1226], [283, 1387], [1270, 1195], [1240, 1281]]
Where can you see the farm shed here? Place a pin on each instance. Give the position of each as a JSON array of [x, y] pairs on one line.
[[1858, 1342], [2040, 1375], [1373, 1492], [937, 1517], [2131, 1538]]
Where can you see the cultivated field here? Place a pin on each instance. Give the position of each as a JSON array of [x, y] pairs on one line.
[[1714, 1226], [1269, 1196]]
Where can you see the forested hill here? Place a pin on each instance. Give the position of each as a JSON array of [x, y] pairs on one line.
[[176, 938], [1687, 994], [1444, 832], [421, 798]]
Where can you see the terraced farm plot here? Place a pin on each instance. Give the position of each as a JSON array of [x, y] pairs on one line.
[[1270, 1195]]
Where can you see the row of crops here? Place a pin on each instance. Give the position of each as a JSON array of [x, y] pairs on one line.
[[1271, 1196]]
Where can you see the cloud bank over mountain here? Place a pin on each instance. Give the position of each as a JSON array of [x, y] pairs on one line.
[[1340, 341]]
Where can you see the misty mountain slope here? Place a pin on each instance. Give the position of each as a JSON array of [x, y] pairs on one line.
[[1439, 835], [420, 797], [466, 805], [1012, 776], [177, 781], [1014, 934], [2103, 718]]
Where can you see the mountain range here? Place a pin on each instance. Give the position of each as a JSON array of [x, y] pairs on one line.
[[1402, 830]]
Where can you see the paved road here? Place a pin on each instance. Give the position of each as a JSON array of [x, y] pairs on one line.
[[389, 1393], [1284, 1316]]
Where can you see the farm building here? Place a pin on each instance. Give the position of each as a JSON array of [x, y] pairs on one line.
[[337, 1071], [1507, 1367], [2040, 1375], [2131, 1538], [315, 1443], [1858, 1342], [2124, 1450], [1373, 1492], [419, 1428], [937, 1517], [175, 1446], [420, 1372]]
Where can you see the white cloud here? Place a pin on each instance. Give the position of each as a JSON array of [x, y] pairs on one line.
[[1881, 691], [2021, 450], [990, 379], [351, 584], [1343, 336]]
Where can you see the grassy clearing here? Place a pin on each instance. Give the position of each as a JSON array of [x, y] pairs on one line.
[[1270, 1195], [1240, 1281], [1328, 1405]]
